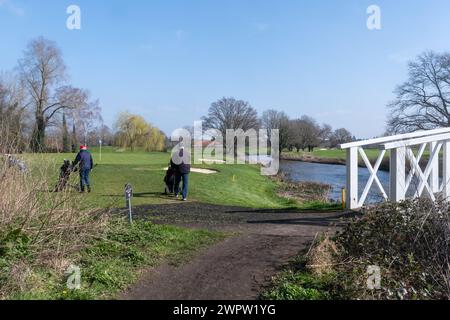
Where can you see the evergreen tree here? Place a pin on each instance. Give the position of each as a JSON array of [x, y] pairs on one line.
[[74, 139], [65, 136]]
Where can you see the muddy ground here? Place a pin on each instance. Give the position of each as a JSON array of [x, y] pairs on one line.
[[261, 244]]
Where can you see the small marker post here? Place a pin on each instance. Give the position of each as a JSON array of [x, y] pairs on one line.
[[128, 196], [100, 142], [344, 199]]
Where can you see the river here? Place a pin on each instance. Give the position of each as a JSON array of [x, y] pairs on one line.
[[334, 175]]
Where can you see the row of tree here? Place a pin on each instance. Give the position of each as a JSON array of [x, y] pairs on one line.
[[37, 103], [422, 102], [40, 111], [295, 134]]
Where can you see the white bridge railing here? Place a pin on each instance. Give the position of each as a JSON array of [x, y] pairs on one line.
[[400, 149]]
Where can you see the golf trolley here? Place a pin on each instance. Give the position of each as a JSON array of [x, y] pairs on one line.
[[64, 177], [169, 180]]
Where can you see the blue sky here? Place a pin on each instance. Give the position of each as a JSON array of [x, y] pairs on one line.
[[169, 59]]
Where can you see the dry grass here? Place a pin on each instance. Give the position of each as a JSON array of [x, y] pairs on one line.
[[302, 191], [39, 228], [322, 256]]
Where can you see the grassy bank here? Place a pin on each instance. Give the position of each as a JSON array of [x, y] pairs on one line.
[[109, 264], [43, 234]]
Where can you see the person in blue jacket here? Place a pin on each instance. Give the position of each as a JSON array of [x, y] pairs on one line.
[[84, 158]]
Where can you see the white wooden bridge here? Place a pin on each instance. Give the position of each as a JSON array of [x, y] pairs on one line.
[[400, 149]]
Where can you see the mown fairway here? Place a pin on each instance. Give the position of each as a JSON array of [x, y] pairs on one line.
[[240, 185]]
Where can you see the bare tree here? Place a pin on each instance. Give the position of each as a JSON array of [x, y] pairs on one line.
[[42, 71], [105, 135], [325, 133], [423, 101], [273, 119], [229, 113], [85, 116], [341, 136], [303, 134], [12, 114]]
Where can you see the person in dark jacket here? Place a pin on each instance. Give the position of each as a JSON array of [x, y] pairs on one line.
[[84, 158], [182, 174]]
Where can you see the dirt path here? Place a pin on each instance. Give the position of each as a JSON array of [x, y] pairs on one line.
[[241, 265]]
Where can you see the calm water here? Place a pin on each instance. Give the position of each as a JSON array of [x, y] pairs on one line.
[[334, 175]]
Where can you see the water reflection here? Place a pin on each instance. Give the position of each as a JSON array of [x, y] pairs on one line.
[[334, 175]]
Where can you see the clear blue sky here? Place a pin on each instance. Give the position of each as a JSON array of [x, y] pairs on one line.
[[169, 59]]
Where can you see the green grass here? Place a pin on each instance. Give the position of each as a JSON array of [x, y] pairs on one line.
[[298, 286], [372, 154], [332, 154], [239, 185], [297, 283], [109, 265]]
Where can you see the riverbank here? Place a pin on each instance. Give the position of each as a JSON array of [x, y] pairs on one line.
[[338, 157], [312, 159], [333, 157]]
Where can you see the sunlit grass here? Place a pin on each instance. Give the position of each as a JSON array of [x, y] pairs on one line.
[[239, 185]]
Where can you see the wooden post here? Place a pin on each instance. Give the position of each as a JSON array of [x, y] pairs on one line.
[[434, 174], [446, 171], [352, 178], [397, 174]]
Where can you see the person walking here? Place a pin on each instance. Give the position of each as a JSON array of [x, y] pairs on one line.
[[84, 158], [182, 174]]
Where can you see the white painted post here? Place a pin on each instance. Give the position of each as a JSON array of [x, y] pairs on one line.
[[446, 171], [397, 174], [100, 141], [352, 178], [434, 174]]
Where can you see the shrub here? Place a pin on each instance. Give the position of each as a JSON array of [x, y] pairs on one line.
[[39, 229], [408, 241]]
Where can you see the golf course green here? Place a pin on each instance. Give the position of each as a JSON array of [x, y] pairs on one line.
[[239, 185]]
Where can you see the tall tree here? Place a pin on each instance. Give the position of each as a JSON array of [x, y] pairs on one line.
[[12, 115], [325, 133], [133, 131], [273, 119], [341, 136], [73, 138], [423, 101], [42, 71], [303, 133], [229, 113], [65, 135]]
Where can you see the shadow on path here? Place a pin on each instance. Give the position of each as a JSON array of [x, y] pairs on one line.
[[242, 265]]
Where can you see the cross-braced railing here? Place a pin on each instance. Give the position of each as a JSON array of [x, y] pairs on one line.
[[404, 166]]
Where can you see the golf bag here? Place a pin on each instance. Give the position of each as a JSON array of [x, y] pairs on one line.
[[13, 162], [64, 176], [169, 180]]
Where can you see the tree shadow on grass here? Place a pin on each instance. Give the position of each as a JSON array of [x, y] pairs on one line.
[[149, 194], [310, 221], [289, 210], [141, 195]]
